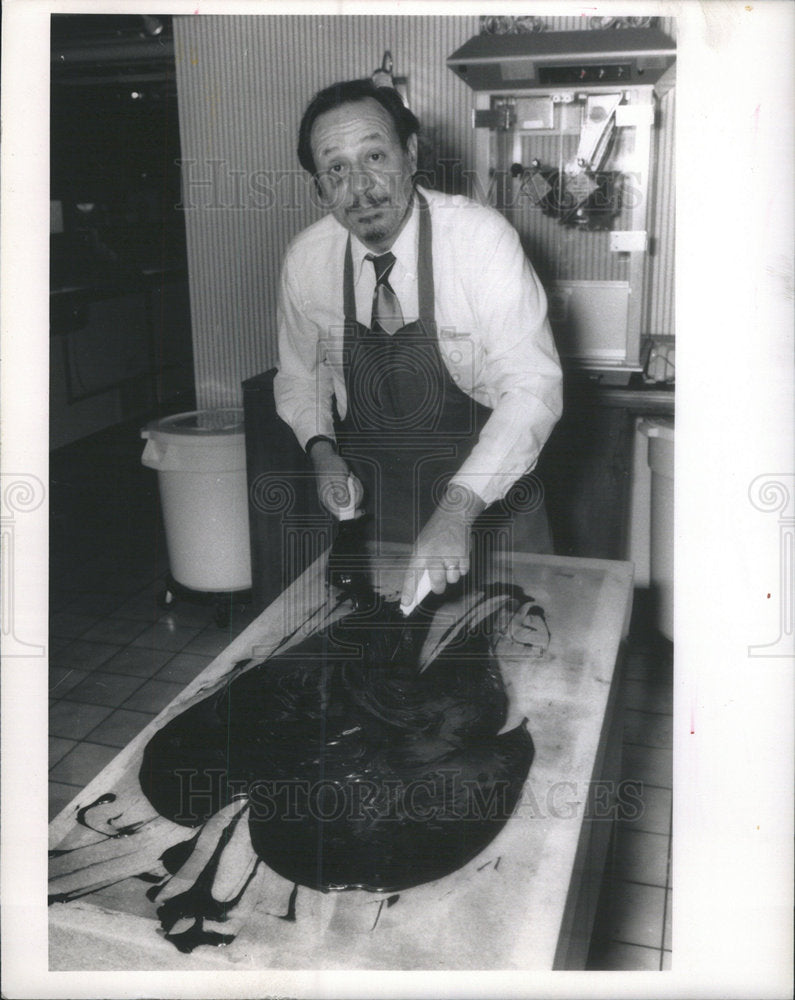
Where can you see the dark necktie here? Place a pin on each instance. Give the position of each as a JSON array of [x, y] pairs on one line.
[[387, 315]]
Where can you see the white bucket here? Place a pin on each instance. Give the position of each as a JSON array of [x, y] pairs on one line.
[[200, 458]]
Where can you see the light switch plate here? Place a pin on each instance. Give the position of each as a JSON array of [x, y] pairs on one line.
[[628, 240]]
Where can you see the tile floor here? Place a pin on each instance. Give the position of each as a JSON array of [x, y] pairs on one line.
[[633, 922], [117, 658]]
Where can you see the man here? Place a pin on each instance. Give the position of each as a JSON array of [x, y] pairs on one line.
[[417, 318]]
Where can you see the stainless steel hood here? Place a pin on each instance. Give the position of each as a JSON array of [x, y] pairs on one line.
[[560, 58]]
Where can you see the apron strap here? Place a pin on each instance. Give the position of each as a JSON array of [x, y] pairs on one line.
[[350, 324], [425, 289], [348, 295]]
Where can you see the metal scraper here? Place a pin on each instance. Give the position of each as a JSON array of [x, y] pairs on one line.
[[423, 589], [407, 610]]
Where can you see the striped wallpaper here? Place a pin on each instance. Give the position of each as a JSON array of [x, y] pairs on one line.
[[243, 82], [660, 296]]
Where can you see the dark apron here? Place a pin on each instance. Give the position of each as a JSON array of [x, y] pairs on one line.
[[408, 427]]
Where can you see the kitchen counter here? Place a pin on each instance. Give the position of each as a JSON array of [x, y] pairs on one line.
[[526, 902], [103, 282], [120, 339], [638, 397], [654, 400]]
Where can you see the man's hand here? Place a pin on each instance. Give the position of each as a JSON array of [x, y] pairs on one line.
[[333, 479], [442, 546]]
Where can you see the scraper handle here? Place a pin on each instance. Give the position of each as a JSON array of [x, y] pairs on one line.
[[423, 589], [348, 513]]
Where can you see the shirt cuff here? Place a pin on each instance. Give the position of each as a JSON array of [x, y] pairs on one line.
[[319, 437]]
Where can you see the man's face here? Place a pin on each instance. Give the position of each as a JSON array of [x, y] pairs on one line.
[[363, 172]]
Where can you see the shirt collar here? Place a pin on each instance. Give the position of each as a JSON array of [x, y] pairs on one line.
[[404, 248]]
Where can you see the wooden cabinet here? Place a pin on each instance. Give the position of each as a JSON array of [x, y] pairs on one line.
[[288, 527]]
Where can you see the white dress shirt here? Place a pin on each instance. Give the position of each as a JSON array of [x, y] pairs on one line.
[[491, 317]]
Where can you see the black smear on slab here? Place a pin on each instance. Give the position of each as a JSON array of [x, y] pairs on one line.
[[101, 801], [198, 904], [149, 877], [82, 813], [106, 799], [290, 914], [174, 857], [360, 771], [187, 940]]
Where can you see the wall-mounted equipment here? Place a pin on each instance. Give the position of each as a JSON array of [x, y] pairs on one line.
[[563, 143], [384, 77], [552, 58]]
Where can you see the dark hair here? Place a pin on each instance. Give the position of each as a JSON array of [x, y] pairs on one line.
[[349, 92]]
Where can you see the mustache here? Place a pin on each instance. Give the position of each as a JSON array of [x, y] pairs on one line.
[[367, 201]]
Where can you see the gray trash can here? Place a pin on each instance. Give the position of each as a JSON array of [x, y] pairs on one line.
[[200, 458]]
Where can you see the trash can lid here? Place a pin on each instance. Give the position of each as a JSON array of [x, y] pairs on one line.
[[199, 423]]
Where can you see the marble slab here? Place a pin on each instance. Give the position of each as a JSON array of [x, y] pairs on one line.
[[517, 905]]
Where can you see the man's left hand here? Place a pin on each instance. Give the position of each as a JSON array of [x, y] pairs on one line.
[[442, 546]]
